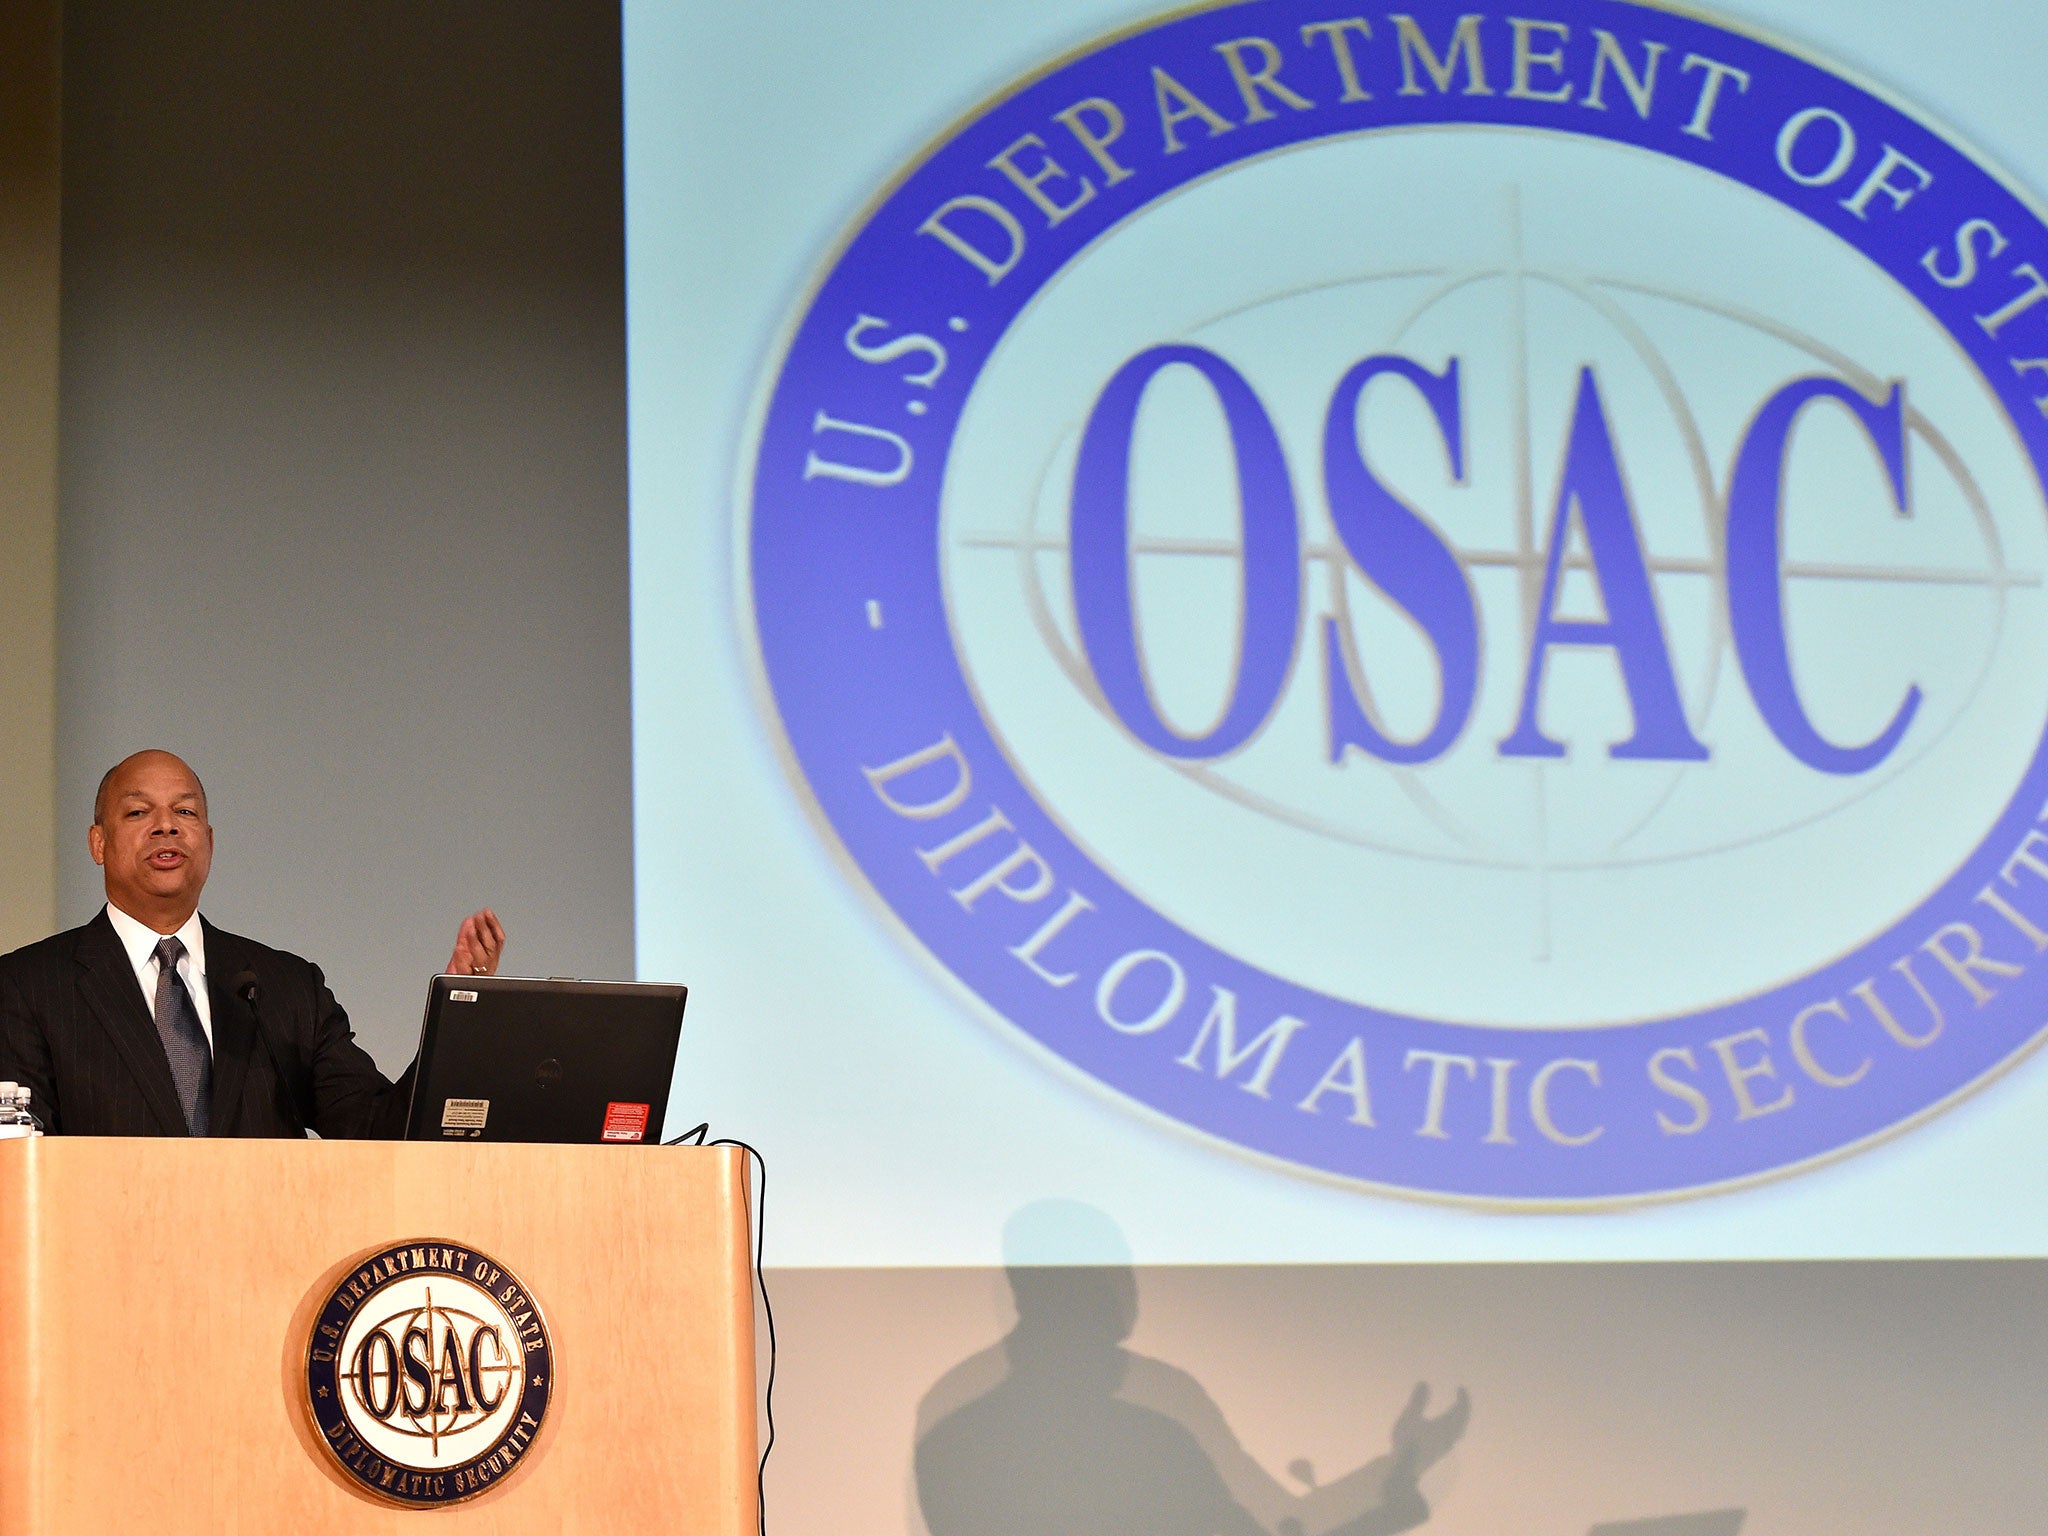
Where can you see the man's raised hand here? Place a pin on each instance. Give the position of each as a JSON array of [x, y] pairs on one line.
[[479, 945]]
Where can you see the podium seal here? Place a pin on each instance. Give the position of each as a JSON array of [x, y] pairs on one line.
[[428, 1373]]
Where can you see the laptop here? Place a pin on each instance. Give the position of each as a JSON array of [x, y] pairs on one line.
[[511, 1058]]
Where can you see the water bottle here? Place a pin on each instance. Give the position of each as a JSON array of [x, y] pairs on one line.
[[16, 1119]]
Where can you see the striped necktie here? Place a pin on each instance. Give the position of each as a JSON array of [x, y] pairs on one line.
[[177, 1025]]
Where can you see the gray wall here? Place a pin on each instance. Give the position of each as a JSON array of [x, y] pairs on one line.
[[30, 181], [343, 484]]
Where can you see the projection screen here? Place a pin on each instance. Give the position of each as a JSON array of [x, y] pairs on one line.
[[1353, 633]]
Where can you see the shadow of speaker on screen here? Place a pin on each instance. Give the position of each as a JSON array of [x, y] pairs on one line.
[[1058, 1428], [1713, 1522]]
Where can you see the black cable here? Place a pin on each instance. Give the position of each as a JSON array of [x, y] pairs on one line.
[[767, 1312], [694, 1137]]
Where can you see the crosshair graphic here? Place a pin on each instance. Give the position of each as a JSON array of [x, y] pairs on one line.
[[1034, 546], [378, 1376]]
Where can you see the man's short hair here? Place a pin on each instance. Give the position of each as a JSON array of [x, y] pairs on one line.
[[99, 796]]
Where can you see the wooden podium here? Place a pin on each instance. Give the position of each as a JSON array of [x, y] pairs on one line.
[[158, 1299]]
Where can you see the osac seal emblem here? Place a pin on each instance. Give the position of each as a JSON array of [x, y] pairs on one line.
[[428, 1373], [1449, 598]]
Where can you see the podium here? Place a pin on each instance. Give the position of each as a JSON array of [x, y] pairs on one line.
[[172, 1310]]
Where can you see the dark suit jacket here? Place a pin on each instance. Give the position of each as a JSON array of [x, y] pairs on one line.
[[76, 1030]]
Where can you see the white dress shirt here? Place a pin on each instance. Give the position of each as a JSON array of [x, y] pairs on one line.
[[140, 940]]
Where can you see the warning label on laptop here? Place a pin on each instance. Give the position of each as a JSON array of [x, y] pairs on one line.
[[626, 1122], [464, 1117]]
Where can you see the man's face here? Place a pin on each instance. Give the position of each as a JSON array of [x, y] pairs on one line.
[[151, 836]]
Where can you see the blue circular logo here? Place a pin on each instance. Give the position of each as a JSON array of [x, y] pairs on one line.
[[1453, 600], [428, 1373]]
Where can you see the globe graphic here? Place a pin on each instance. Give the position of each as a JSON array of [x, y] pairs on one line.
[[1392, 884]]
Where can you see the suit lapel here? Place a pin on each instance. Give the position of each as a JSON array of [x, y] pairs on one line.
[[234, 1032], [107, 983]]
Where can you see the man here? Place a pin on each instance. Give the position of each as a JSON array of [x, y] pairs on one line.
[[150, 1021]]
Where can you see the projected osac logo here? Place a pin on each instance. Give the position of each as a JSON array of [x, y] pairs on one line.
[[1448, 597]]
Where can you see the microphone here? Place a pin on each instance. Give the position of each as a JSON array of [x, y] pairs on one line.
[[248, 987]]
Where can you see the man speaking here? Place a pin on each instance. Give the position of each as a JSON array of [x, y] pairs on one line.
[[150, 1021]]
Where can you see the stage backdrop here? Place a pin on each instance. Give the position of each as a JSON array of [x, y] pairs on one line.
[[1349, 633]]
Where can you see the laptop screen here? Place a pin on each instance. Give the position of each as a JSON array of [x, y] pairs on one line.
[[508, 1058]]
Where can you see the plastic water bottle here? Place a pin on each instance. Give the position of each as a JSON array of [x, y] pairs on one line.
[[16, 1119]]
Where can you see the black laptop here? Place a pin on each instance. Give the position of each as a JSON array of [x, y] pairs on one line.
[[511, 1058]]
